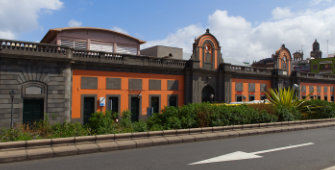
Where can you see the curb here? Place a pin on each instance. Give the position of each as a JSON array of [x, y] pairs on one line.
[[47, 148]]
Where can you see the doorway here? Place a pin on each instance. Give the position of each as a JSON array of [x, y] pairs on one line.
[[33, 110], [113, 104], [155, 104], [207, 94], [89, 108], [135, 108]]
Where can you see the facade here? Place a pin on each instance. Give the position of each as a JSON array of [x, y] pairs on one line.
[[64, 83]]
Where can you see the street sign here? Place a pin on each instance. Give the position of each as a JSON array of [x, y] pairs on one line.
[[102, 101]]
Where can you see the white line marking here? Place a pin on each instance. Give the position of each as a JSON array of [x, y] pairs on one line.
[[239, 155], [283, 148]]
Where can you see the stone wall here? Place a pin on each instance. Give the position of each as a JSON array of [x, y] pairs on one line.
[[33, 79]]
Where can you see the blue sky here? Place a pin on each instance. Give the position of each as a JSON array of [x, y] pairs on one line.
[[247, 30], [153, 19]]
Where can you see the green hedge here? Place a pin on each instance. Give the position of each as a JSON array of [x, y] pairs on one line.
[[187, 116], [319, 109], [206, 114]]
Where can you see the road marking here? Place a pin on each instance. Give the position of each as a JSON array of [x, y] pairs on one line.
[[240, 155], [330, 168]]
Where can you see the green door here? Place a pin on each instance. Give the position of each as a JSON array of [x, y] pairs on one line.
[[32, 110], [89, 108], [135, 108]]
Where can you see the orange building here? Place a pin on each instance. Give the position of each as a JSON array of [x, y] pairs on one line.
[[76, 71]]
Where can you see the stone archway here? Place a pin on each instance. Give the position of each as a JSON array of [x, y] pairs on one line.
[[34, 101], [207, 94]]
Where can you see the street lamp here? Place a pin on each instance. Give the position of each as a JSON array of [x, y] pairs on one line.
[[11, 94], [296, 90], [212, 97]]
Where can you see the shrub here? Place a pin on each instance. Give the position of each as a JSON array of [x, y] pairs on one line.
[[125, 120], [320, 109], [206, 114], [287, 113], [139, 126], [267, 107], [15, 135], [102, 123], [69, 129]]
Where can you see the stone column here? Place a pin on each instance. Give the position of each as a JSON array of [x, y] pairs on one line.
[[68, 88]]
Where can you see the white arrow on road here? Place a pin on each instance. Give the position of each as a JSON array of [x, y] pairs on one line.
[[239, 155]]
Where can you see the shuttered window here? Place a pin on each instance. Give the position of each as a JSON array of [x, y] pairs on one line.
[[67, 43], [101, 47], [80, 45], [126, 50], [74, 44]]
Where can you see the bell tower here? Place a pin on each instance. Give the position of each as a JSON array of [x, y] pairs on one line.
[[316, 53], [206, 52]]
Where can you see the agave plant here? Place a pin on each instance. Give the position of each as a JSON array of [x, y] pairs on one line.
[[285, 97]]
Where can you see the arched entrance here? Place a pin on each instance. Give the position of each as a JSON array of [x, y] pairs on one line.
[[34, 101], [208, 94]]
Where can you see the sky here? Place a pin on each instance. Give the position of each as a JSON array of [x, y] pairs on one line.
[[246, 30]]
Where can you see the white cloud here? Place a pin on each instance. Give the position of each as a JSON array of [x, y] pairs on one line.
[[7, 35], [184, 38], [318, 2], [74, 23], [118, 29], [281, 13], [242, 41], [22, 15]]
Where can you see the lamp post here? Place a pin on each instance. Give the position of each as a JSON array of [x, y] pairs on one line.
[[11, 94], [296, 90], [212, 97]]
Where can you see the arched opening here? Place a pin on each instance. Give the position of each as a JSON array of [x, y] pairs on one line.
[[208, 94], [34, 101]]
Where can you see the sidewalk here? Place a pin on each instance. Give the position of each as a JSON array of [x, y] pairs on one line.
[[47, 148]]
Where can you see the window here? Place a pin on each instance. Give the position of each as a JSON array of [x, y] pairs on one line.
[[303, 97], [303, 88], [263, 87], [326, 98], [239, 87], [74, 44], [101, 47], [311, 89], [325, 89], [239, 98], [319, 97], [263, 97], [332, 98], [251, 87], [251, 98], [173, 100], [312, 97], [126, 50]]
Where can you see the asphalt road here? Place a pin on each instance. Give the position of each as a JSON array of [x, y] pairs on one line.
[[319, 155]]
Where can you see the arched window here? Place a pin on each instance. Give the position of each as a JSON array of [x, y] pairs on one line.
[[284, 63], [208, 53]]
